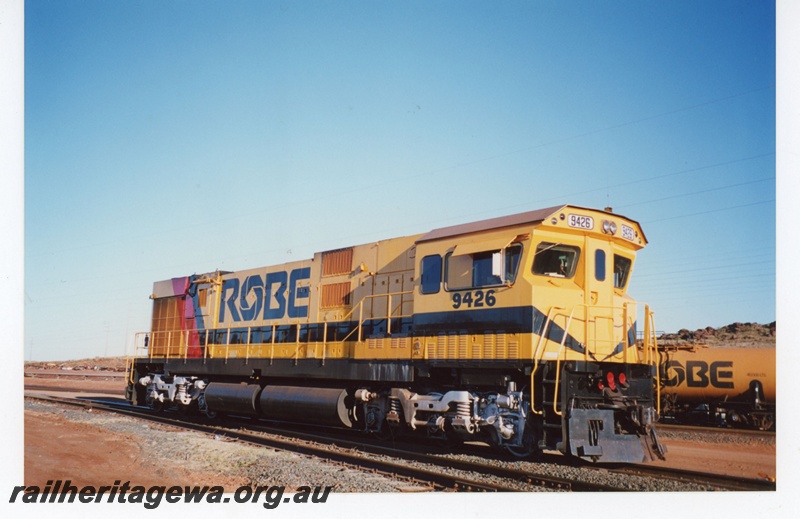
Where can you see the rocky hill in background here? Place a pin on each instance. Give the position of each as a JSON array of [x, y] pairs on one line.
[[751, 335], [93, 364]]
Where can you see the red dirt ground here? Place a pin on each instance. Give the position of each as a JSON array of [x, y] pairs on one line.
[[750, 461], [56, 448]]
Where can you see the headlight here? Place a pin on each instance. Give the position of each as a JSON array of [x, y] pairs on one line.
[[609, 227]]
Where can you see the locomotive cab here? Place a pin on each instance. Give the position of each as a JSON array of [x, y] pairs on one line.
[[553, 316], [604, 403]]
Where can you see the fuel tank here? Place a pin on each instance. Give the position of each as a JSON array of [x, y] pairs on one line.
[[325, 406], [239, 399]]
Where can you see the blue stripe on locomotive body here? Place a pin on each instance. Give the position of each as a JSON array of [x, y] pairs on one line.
[[524, 319], [511, 320], [521, 319], [333, 372]]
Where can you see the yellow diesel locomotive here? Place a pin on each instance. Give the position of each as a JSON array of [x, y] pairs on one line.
[[517, 331]]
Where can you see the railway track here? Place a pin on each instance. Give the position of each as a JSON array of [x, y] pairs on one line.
[[663, 428], [436, 471], [411, 453], [34, 387], [720, 481], [83, 374], [716, 481], [695, 429], [349, 455]]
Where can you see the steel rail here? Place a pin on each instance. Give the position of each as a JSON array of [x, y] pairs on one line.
[[521, 476], [84, 373], [109, 392], [704, 429], [719, 481], [438, 479]]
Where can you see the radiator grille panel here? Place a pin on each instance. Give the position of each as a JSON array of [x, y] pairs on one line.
[[337, 262]]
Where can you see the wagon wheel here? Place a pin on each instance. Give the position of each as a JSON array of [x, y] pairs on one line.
[[765, 422]]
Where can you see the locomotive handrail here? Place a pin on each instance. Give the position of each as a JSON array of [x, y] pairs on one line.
[[652, 350], [167, 350], [558, 360], [590, 344], [389, 309], [536, 356], [175, 343], [324, 341], [129, 372]]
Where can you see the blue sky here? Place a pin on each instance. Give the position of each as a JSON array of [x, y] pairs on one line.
[[168, 138]]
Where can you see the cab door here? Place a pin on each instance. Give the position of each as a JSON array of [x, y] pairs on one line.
[[599, 297]]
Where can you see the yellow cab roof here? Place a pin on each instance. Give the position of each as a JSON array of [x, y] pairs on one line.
[[529, 217]]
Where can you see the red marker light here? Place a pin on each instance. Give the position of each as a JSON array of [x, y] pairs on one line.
[[611, 383]]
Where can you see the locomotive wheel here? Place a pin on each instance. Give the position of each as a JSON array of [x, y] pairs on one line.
[[386, 433], [135, 393], [528, 449], [189, 410], [202, 407], [452, 439]]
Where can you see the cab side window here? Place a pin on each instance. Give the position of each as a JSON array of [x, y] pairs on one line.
[[431, 270], [600, 265], [482, 269], [555, 260], [622, 268]]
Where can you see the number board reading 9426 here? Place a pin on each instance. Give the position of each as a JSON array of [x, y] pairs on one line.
[[581, 222]]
